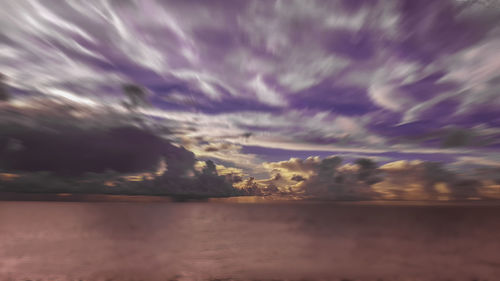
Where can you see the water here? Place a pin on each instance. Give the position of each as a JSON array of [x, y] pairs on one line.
[[261, 241]]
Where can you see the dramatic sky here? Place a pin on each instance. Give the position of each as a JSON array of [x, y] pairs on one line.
[[257, 85]]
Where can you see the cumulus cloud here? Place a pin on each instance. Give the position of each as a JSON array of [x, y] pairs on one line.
[[324, 178], [417, 180], [364, 179], [232, 174], [294, 166]]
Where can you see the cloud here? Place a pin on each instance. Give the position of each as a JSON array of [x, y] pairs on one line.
[[475, 69], [331, 181], [100, 152], [457, 138], [197, 184], [73, 152], [206, 183], [417, 180], [478, 161], [295, 166], [232, 174], [136, 96], [218, 147], [324, 178], [264, 93], [364, 179], [224, 152], [4, 94], [110, 160], [67, 137]]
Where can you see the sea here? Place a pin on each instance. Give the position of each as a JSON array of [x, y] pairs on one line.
[[249, 240]]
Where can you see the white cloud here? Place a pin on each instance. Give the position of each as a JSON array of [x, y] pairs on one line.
[[384, 85], [266, 94], [474, 69], [478, 161]]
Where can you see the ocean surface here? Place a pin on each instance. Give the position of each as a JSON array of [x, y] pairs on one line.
[[248, 241]]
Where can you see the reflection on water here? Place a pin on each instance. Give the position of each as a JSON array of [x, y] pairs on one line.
[[286, 241]]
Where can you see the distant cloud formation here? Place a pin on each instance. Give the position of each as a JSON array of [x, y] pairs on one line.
[[425, 180], [364, 179], [325, 178]]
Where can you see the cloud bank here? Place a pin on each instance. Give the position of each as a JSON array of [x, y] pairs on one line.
[[364, 179]]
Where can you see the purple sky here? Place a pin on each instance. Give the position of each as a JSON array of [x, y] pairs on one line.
[[247, 82]]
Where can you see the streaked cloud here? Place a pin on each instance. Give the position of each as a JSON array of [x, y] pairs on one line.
[[390, 79]]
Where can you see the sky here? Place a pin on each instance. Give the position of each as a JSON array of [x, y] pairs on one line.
[[270, 91]]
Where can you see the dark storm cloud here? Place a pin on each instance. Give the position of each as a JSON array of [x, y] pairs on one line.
[[203, 184], [122, 149], [4, 94]]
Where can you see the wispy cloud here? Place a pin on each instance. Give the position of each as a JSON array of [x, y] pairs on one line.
[[367, 78]]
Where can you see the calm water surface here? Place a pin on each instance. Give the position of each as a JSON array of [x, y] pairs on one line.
[[283, 241]]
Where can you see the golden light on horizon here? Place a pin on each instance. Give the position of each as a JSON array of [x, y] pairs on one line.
[[8, 176], [110, 183]]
